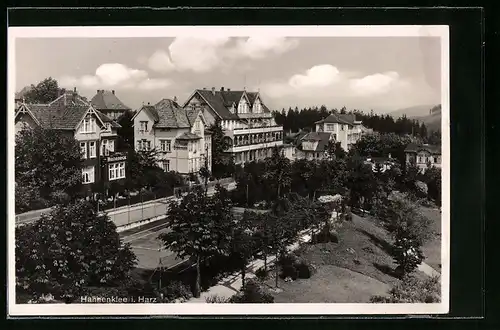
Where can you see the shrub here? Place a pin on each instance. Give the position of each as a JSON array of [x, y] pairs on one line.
[[304, 269], [252, 292], [261, 274], [215, 299], [289, 271], [407, 254], [175, 290], [287, 260], [413, 290]]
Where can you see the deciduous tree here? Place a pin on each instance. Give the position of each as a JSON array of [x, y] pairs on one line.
[[71, 248], [44, 92], [200, 227], [47, 164]]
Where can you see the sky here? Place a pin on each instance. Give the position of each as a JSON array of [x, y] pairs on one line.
[[379, 73]]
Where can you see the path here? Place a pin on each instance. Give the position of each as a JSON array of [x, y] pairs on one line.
[[124, 215]]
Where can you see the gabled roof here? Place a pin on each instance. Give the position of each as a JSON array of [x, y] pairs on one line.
[[323, 138], [57, 115], [107, 100], [413, 147], [171, 115], [69, 98], [221, 101], [188, 136], [348, 119]]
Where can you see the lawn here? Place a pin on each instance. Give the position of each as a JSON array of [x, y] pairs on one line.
[[351, 271]]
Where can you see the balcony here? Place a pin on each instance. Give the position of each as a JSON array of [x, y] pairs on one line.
[[255, 115], [263, 129], [254, 146]]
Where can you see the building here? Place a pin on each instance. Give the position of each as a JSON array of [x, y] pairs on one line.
[[179, 136], [248, 124], [109, 104], [344, 128], [313, 145], [95, 132], [423, 155]]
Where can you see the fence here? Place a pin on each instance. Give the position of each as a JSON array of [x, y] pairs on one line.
[[180, 191]]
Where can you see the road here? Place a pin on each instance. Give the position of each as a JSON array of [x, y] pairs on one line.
[[125, 215]]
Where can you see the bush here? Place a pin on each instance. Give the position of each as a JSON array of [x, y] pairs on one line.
[[304, 269], [252, 292], [215, 299], [176, 290], [413, 290], [287, 260], [261, 274], [407, 254], [289, 271]]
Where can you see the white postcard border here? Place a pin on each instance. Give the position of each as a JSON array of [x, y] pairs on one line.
[[442, 31]]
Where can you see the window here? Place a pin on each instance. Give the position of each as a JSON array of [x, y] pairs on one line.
[[165, 145], [104, 148], [92, 149], [88, 174], [107, 127], [342, 127], [111, 145], [116, 171], [436, 159], [83, 149], [143, 145], [330, 127], [88, 125], [165, 165], [143, 128]]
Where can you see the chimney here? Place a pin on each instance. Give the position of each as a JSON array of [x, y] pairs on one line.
[[229, 89], [222, 89], [149, 103], [175, 98], [113, 91], [213, 90], [74, 90], [204, 88]]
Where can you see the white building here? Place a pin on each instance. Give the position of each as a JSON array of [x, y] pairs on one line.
[[248, 124], [179, 136], [344, 128]]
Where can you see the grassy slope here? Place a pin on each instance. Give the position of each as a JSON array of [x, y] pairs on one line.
[[340, 278]]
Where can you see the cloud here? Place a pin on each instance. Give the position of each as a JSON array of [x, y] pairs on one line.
[[116, 75], [327, 84], [378, 83], [203, 54], [261, 47]]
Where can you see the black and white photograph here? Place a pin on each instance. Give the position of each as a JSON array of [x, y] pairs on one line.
[[190, 170]]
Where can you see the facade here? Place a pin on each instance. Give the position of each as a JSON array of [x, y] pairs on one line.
[[109, 104], [313, 145], [95, 132], [423, 156], [179, 136], [248, 124], [344, 128]]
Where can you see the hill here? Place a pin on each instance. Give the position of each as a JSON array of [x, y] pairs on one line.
[[433, 119], [412, 112]]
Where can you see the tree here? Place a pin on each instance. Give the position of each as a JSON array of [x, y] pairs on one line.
[[413, 290], [71, 248], [200, 227], [242, 244], [221, 160], [44, 92], [48, 164], [409, 228], [126, 131], [335, 150], [432, 177], [277, 172]]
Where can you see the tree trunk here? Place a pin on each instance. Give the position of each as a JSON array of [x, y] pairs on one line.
[[279, 191], [314, 195], [243, 274], [276, 270], [265, 260], [197, 287], [247, 197]]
